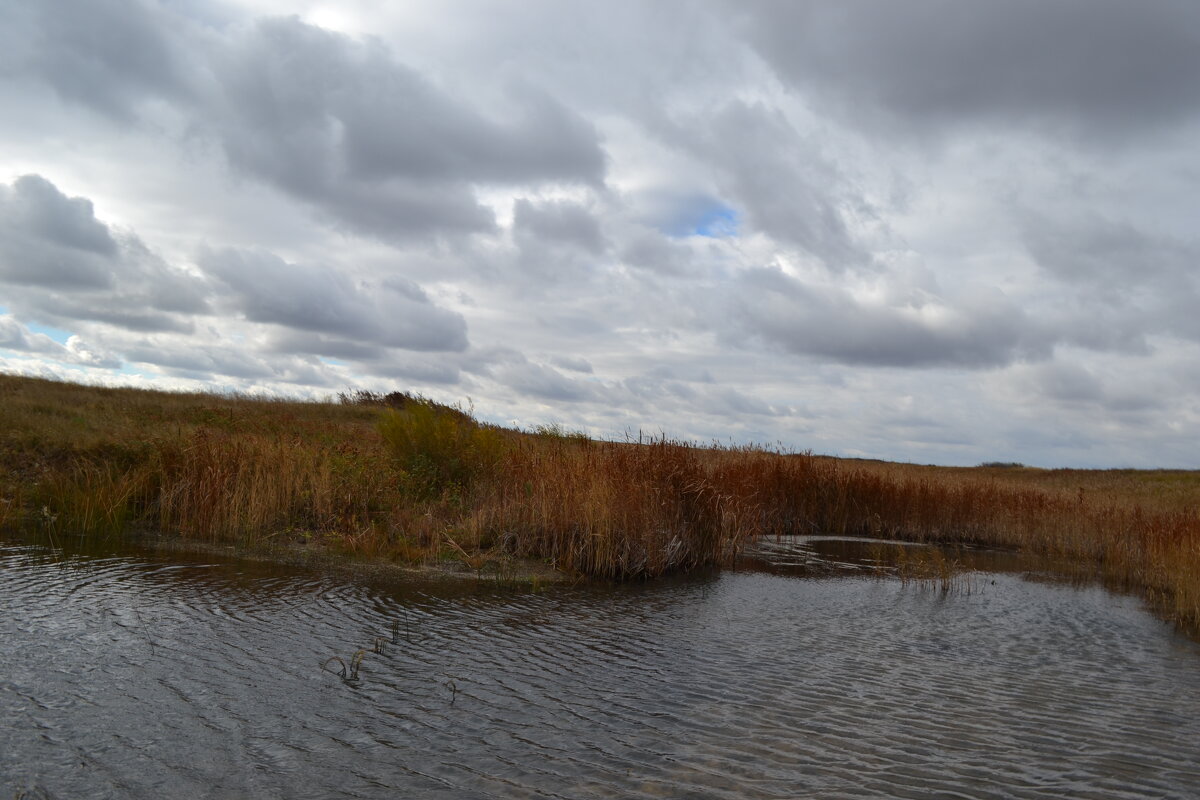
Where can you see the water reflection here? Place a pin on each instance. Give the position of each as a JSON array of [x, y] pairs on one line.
[[133, 675]]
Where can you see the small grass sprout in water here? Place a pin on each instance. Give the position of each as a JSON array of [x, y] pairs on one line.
[[922, 565], [346, 672]]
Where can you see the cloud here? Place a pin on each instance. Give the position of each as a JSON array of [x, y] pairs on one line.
[[1074, 386], [204, 361], [1125, 282], [373, 143], [574, 364], [62, 263], [110, 55], [546, 383], [1101, 67], [338, 123], [558, 223], [392, 312], [829, 322], [51, 240], [14, 335], [781, 180]]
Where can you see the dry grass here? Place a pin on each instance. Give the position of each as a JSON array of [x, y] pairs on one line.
[[402, 478]]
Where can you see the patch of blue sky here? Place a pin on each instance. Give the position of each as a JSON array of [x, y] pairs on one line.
[[57, 334], [718, 223], [333, 362], [703, 216]]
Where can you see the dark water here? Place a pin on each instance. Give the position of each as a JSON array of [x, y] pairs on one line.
[[136, 676]]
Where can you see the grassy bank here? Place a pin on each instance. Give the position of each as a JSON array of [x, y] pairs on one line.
[[404, 479]]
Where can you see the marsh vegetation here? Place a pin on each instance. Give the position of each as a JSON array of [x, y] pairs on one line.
[[402, 478]]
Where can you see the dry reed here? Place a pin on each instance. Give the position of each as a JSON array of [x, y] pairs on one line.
[[365, 477]]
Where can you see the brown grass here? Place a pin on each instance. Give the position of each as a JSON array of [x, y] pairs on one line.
[[399, 477]]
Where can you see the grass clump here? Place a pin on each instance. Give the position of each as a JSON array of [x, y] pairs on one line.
[[440, 449]]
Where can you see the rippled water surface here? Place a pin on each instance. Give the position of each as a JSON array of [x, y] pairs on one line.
[[134, 675]]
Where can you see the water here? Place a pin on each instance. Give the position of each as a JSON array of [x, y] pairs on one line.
[[135, 675]]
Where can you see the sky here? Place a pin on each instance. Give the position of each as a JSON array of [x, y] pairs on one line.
[[937, 231]]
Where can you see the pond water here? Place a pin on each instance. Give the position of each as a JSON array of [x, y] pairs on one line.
[[134, 675]]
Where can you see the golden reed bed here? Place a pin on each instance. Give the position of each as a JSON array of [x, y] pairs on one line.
[[402, 478]]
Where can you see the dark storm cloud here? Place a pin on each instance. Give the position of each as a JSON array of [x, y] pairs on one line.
[[265, 288], [1101, 66], [830, 323], [60, 260]]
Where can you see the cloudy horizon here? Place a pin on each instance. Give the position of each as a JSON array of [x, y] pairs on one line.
[[938, 231]]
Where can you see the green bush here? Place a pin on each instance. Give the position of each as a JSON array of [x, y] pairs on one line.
[[439, 448]]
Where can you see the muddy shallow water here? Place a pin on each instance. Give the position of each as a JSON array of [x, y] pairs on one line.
[[129, 674]]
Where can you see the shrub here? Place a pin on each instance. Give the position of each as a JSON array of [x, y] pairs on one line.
[[440, 449]]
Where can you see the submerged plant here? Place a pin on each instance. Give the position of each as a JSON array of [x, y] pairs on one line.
[[350, 672]]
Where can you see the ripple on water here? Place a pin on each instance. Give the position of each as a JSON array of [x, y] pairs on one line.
[[133, 676]]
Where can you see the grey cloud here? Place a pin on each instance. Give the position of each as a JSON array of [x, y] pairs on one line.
[[658, 387], [572, 363], [1101, 66], [61, 261], [265, 288], [778, 178], [730, 401], [830, 323], [372, 142], [48, 239], [558, 222], [652, 251], [419, 370], [123, 311], [545, 383], [293, 341], [374, 360], [340, 124], [1075, 386], [203, 361], [1124, 282], [110, 55], [1104, 254], [16, 336]]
